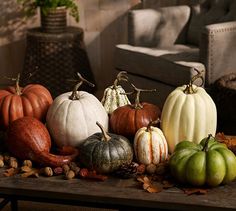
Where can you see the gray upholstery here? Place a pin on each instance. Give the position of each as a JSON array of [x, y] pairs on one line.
[[177, 62], [168, 45], [209, 12], [149, 27]]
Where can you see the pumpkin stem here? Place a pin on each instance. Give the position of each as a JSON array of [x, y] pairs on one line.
[[121, 76], [137, 92], [152, 123], [189, 88], [17, 83], [205, 147], [80, 81], [106, 137]]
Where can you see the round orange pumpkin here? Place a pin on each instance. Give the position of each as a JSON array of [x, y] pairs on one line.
[[15, 102], [127, 120]]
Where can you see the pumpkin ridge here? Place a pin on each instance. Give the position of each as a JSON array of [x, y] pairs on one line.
[[150, 145], [6, 110], [115, 146], [15, 110], [84, 113], [96, 147], [27, 107], [32, 97]]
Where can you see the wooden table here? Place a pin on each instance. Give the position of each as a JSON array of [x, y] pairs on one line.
[[113, 193]]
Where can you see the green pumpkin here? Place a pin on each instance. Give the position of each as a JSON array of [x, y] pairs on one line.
[[105, 152], [208, 163]]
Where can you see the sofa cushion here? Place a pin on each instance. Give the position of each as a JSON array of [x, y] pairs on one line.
[[158, 27], [173, 66], [209, 12]]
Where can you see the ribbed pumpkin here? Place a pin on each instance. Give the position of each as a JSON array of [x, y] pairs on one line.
[[72, 116], [114, 96], [208, 163], [105, 152], [15, 102], [189, 113], [150, 145], [126, 120]]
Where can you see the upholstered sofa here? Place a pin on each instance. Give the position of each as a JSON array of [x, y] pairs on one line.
[[167, 46]]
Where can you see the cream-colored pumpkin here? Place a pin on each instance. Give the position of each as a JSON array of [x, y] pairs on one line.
[[150, 145], [188, 113], [114, 96], [72, 117]]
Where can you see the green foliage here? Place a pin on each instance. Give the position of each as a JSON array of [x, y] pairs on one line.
[[30, 6]]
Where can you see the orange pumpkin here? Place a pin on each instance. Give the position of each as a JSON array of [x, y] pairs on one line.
[[15, 102]]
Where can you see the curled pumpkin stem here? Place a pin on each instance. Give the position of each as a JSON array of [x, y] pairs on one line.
[[121, 76], [17, 83], [17, 80], [189, 88], [80, 81], [205, 147], [137, 91], [106, 137], [152, 123]]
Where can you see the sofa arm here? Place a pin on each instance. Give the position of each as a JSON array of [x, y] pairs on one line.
[[218, 50], [158, 27]]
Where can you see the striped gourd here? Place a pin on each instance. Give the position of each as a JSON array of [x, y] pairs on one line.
[[114, 96], [150, 145]]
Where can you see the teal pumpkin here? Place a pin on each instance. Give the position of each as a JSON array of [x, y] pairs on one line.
[[105, 152]]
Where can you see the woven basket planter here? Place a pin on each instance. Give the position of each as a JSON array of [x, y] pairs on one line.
[[55, 21], [224, 94]]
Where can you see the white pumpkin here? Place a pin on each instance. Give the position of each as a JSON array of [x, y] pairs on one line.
[[72, 117], [189, 113], [150, 145], [114, 96]]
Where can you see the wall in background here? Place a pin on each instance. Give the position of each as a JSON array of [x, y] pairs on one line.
[[104, 23]]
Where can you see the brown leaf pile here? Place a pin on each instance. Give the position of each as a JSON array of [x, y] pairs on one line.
[[230, 141]]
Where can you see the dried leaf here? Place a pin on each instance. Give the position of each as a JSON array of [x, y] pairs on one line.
[[32, 173], [148, 186], [93, 175], [11, 172], [190, 191], [26, 169], [229, 141], [154, 189]]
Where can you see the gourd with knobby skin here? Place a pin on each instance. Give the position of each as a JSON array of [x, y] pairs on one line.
[[114, 96], [126, 120], [15, 102], [208, 163], [105, 152], [72, 116], [189, 113], [150, 145]]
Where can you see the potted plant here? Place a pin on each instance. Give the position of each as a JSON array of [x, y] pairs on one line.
[[53, 12]]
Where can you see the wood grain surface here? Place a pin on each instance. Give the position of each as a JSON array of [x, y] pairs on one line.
[[114, 193]]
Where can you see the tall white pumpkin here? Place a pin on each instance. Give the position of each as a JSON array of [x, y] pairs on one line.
[[73, 115], [150, 145], [189, 113]]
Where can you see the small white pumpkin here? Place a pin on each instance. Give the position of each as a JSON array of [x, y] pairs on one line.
[[114, 96], [189, 113], [73, 115], [150, 145]]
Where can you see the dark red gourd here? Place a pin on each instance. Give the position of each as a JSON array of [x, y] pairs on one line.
[[28, 138]]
